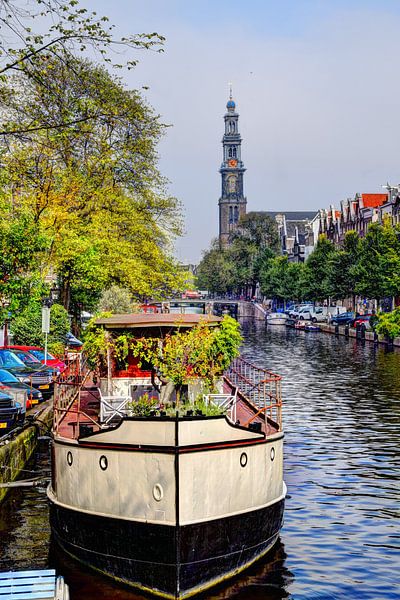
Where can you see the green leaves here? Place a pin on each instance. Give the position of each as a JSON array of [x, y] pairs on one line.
[[91, 187], [27, 325]]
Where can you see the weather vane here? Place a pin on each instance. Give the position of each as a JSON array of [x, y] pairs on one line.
[[230, 91]]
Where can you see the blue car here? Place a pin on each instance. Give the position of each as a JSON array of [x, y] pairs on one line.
[[10, 413], [343, 319]]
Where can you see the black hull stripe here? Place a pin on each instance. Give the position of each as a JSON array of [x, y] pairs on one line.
[[140, 554]]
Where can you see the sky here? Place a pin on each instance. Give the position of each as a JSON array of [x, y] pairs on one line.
[[316, 84]]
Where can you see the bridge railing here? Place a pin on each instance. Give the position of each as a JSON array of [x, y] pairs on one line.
[[260, 387]]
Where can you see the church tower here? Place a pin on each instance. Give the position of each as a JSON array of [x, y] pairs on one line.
[[232, 203]]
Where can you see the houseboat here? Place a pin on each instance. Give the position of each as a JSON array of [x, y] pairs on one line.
[[171, 504]]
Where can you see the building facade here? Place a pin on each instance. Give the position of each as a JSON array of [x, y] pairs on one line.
[[355, 214], [232, 203]]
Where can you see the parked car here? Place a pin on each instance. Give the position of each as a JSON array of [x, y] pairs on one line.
[[73, 342], [10, 413], [318, 315], [362, 320], [304, 314], [43, 381], [343, 319], [8, 381], [38, 353], [32, 362], [300, 308]]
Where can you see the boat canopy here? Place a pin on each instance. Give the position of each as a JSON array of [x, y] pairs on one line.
[[133, 321]]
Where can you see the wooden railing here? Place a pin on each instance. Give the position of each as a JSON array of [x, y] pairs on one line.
[[260, 387]]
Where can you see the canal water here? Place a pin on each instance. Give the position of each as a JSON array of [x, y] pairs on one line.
[[341, 537]]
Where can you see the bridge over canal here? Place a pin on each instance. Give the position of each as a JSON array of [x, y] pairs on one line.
[[219, 306]]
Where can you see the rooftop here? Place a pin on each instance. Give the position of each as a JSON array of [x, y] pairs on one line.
[[128, 321], [373, 200], [296, 215]]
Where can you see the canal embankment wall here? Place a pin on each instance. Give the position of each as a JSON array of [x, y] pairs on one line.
[[15, 452], [352, 332], [251, 310]]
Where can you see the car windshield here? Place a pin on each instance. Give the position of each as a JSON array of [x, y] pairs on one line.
[[7, 377], [26, 357], [8, 359], [40, 354]]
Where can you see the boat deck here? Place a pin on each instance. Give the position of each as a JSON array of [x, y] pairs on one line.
[[251, 396], [85, 411]]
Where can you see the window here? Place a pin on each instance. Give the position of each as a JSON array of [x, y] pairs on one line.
[[236, 214], [230, 214]]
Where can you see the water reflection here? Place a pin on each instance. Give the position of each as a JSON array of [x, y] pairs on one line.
[[341, 535]]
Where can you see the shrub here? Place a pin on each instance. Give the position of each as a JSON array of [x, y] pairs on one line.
[[389, 324], [27, 326]]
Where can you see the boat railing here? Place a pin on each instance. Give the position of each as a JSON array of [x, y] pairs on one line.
[[68, 387], [226, 402], [113, 407], [260, 387]]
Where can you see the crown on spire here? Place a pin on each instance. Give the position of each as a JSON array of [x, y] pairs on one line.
[[230, 105]]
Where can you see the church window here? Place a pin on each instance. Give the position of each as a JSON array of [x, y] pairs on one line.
[[232, 127], [236, 215], [230, 214], [234, 152], [230, 152]]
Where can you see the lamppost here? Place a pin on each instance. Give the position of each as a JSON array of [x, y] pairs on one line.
[[5, 303], [46, 306]]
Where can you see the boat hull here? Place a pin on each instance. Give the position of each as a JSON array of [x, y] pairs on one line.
[[166, 560]]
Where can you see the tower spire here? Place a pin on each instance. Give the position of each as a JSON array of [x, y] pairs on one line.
[[232, 203]]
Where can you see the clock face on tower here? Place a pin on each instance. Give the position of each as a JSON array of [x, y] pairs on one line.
[[232, 162]]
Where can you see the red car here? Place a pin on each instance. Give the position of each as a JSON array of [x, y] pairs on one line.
[[38, 353], [362, 320]]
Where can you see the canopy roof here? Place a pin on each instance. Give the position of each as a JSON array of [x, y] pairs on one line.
[[132, 321]]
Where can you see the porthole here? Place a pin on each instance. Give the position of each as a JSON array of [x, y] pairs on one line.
[[103, 462], [272, 453], [70, 458], [243, 459], [158, 492]]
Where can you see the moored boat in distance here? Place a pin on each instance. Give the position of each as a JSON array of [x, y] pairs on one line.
[[180, 499], [275, 318]]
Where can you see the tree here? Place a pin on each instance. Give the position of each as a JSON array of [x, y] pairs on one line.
[[115, 300], [343, 267], [20, 245], [317, 284], [282, 279], [27, 326], [201, 352], [70, 30], [260, 229], [256, 237], [215, 272], [94, 188], [378, 267]]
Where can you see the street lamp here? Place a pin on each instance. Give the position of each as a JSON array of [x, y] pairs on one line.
[[5, 303], [46, 306]]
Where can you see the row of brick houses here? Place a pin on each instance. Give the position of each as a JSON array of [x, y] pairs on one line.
[[356, 214]]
